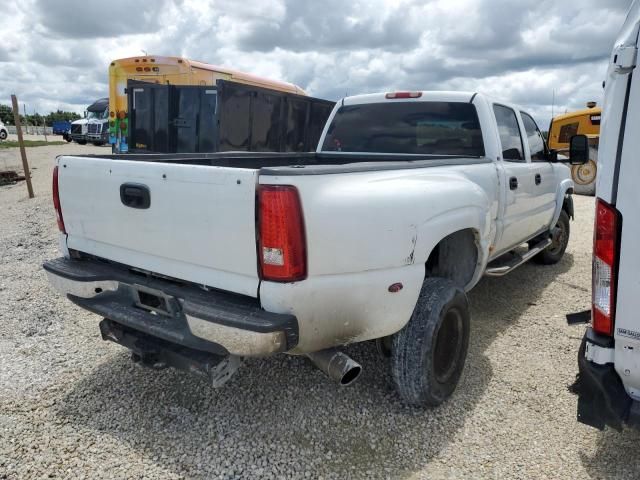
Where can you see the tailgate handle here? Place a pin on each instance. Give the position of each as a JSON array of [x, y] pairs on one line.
[[135, 195]]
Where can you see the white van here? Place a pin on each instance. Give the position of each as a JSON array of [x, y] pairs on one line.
[[608, 383]]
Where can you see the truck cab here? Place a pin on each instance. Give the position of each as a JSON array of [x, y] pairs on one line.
[[78, 131], [608, 383], [98, 122]]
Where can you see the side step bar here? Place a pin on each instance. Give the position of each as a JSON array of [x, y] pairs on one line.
[[517, 260]]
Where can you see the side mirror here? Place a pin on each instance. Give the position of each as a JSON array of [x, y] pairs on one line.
[[578, 150]]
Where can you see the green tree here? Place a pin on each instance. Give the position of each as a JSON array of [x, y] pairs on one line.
[[6, 114]]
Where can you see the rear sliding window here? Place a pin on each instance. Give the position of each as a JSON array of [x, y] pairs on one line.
[[422, 128]]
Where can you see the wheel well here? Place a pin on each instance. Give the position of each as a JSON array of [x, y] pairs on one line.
[[455, 257]]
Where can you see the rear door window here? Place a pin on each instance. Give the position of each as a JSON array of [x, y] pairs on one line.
[[509, 131], [534, 137], [418, 128]]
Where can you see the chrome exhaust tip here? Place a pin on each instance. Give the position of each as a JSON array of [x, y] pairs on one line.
[[336, 365]]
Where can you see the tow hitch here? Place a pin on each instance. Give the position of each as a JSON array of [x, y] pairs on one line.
[[156, 353]]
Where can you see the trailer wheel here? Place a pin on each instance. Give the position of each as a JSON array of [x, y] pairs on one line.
[[428, 354], [584, 178], [559, 241]]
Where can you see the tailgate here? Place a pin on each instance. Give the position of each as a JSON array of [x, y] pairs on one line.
[[199, 225]]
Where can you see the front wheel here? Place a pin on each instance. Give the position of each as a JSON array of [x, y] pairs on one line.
[[428, 354], [3, 134], [559, 241]]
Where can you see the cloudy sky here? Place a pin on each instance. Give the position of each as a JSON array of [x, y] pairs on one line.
[[55, 54]]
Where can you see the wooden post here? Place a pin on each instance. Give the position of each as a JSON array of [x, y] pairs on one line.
[[44, 129], [23, 152]]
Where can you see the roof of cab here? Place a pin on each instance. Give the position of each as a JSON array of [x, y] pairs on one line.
[[427, 96], [578, 113]]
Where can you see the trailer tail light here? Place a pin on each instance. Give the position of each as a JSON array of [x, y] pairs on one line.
[[56, 200], [281, 239], [605, 261], [392, 95]]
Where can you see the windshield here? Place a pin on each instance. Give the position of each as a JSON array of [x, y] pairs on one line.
[[97, 115], [422, 128]]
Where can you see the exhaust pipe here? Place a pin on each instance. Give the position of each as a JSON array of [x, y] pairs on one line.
[[337, 365]]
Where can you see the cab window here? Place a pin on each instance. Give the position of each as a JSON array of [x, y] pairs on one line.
[[509, 130], [534, 137], [567, 131]]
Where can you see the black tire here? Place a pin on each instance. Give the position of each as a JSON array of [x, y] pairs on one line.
[[559, 241], [3, 135], [428, 354], [82, 142]]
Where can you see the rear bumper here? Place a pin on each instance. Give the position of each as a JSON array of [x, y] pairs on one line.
[[602, 398], [211, 321]]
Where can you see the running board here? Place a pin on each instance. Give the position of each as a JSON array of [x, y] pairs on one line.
[[517, 260]]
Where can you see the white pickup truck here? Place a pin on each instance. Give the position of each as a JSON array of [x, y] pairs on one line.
[[195, 261], [608, 384]]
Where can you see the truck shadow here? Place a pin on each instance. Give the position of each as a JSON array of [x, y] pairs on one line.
[[281, 410], [616, 455]]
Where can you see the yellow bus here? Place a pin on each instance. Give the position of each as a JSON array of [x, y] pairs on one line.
[[581, 122], [173, 71]]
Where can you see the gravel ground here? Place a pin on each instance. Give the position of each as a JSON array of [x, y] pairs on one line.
[[73, 406]]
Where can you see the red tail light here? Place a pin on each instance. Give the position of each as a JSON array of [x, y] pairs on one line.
[[281, 240], [56, 200], [605, 260]]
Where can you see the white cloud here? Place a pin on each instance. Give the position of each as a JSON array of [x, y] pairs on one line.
[[517, 51]]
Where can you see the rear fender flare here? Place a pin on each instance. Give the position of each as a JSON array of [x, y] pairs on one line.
[[473, 217]]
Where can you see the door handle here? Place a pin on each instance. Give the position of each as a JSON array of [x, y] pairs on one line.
[[135, 195], [538, 179], [513, 183]]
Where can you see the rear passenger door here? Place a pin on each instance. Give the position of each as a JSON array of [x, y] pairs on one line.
[[544, 175], [517, 180]]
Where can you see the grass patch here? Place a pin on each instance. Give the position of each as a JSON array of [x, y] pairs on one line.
[[28, 143]]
